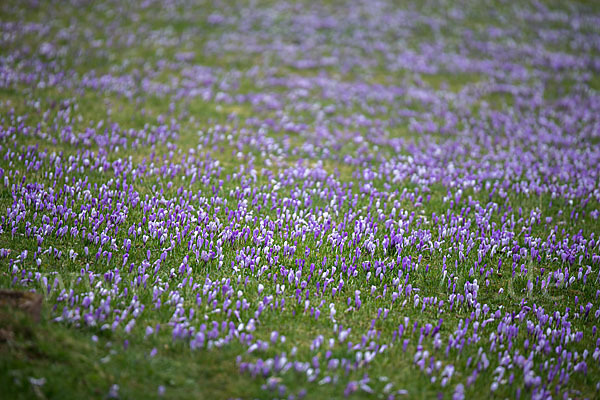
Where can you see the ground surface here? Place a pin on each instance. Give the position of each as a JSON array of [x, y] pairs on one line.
[[296, 199]]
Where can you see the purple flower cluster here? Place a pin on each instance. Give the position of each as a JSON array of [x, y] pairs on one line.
[[319, 168]]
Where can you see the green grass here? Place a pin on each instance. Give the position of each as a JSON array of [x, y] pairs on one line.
[[78, 361]]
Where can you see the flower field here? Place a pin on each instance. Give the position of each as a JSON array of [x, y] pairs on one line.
[[298, 199]]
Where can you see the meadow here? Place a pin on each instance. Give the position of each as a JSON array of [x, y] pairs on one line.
[[300, 199]]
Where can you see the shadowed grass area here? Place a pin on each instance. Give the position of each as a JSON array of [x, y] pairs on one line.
[[53, 361]]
